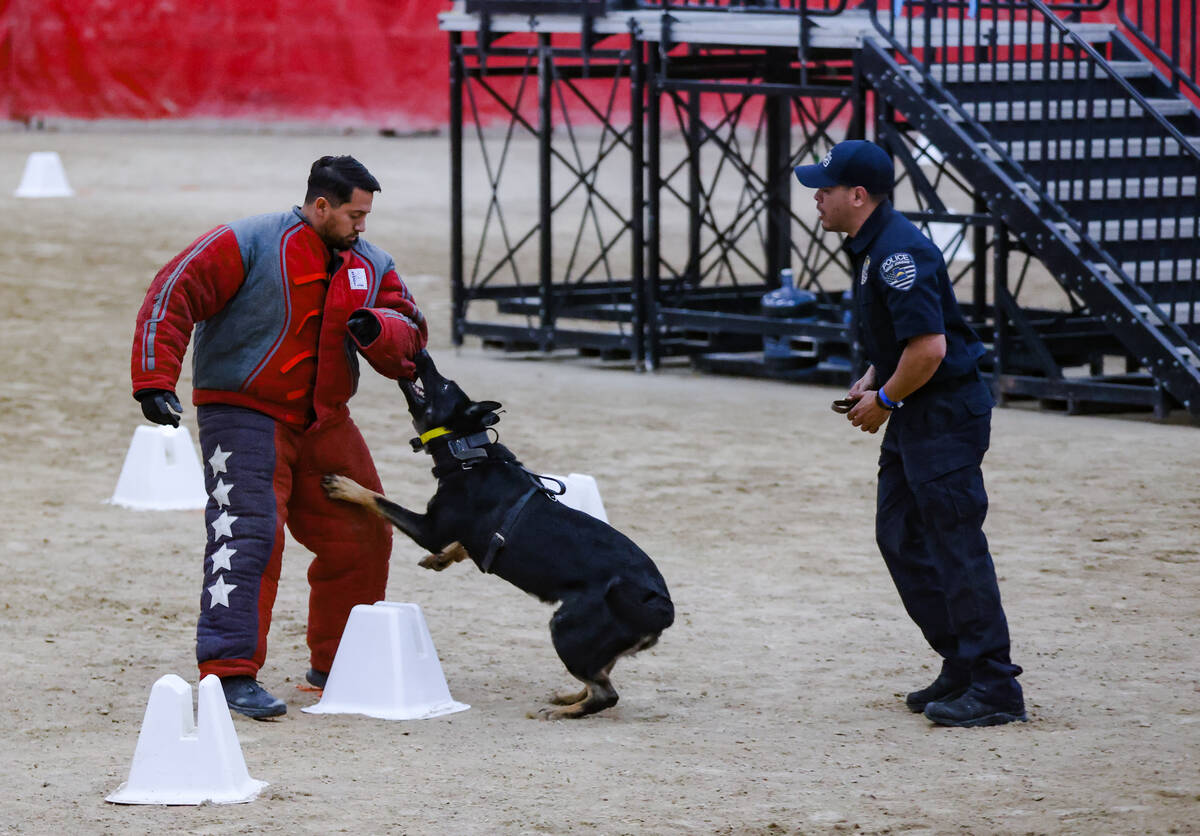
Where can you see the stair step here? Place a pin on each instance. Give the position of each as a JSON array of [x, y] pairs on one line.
[[1072, 109], [1182, 313], [1074, 149], [1034, 71], [945, 33], [1129, 188], [1138, 229], [1161, 271]]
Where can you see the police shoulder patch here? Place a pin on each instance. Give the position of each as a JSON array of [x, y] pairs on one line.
[[899, 270]]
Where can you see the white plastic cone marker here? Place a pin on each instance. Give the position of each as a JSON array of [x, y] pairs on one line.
[[181, 760], [44, 177], [161, 472], [582, 494], [386, 667]]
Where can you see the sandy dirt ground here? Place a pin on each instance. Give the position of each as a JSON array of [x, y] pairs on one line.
[[773, 705]]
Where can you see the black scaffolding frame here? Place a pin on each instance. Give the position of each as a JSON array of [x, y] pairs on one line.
[[546, 312], [704, 111]]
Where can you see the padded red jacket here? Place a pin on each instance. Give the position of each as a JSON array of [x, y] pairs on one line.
[[269, 302]]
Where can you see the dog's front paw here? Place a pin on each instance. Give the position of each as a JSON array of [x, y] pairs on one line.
[[336, 487], [436, 562], [453, 553]]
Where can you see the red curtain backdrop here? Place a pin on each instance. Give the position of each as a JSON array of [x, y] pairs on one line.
[[382, 63]]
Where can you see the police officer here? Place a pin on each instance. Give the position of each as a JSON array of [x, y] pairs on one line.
[[923, 382]]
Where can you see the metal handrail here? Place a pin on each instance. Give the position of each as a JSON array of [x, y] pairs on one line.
[[820, 8], [1052, 20], [1179, 74], [1012, 168], [826, 7], [1113, 75]]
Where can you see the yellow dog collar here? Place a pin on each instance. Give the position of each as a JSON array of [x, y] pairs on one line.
[[430, 435]]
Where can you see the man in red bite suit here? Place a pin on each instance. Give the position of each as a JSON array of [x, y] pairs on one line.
[[281, 305]]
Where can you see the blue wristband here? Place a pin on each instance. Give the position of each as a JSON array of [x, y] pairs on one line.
[[887, 402]]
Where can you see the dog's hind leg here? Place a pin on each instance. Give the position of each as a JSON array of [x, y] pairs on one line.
[[581, 632], [598, 695], [590, 635], [569, 696]]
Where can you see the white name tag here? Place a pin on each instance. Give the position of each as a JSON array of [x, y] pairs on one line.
[[358, 278]]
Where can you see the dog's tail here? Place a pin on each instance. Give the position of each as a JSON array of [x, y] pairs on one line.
[[645, 610]]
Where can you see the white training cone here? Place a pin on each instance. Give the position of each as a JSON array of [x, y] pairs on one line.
[[181, 760], [582, 494], [44, 177], [161, 472], [386, 667]]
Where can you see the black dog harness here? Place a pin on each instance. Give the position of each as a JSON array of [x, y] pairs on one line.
[[500, 536], [472, 450]]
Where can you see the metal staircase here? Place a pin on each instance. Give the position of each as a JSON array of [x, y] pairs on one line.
[[1088, 159], [1057, 141]]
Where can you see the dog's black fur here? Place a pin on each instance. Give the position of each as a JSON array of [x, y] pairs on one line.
[[614, 601]]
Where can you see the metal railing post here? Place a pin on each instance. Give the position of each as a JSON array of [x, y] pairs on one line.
[[653, 206], [637, 115], [457, 294], [545, 209]]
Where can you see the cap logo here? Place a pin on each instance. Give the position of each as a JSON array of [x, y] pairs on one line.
[[899, 271], [828, 159]]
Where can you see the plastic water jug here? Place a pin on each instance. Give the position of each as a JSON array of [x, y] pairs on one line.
[[785, 302]]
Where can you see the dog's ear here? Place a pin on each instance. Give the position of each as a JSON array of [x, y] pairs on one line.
[[482, 412]]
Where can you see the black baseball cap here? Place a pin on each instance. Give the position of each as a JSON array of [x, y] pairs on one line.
[[854, 162]]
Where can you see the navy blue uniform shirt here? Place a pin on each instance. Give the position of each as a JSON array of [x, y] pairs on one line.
[[902, 290]]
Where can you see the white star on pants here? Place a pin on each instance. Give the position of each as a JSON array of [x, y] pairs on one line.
[[221, 493], [220, 592], [223, 526], [217, 461], [220, 558]]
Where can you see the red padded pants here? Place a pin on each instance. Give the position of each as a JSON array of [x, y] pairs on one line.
[[262, 475]]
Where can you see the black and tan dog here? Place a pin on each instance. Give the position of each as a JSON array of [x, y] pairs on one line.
[[490, 509]]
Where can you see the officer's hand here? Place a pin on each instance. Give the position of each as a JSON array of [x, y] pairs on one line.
[[160, 406], [868, 415], [364, 326], [863, 385]]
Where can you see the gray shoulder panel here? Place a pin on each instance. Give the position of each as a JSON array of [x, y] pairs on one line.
[[257, 231]]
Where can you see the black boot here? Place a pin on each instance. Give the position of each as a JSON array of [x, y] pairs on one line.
[[245, 696], [946, 687], [317, 678], [976, 707]]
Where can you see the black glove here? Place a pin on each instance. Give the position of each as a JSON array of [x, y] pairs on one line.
[[160, 406], [364, 326]]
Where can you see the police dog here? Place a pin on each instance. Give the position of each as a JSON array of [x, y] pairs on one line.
[[490, 509]]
